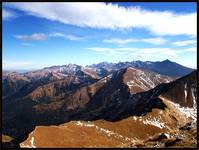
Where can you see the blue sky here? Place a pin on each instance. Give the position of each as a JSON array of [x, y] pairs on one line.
[[37, 35]]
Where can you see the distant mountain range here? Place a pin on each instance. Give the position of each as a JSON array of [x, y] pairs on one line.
[[103, 68], [161, 67], [108, 91]]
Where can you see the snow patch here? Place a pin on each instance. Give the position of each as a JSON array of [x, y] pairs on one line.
[[167, 81], [106, 131], [61, 74], [194, 99], [132, 68], [147, 81], [185, 92], [111, 133], [135, 118], [105, 79], [188, 112], [161, 112], [89, 125], [110, 76], [154, 122], [139, 84], [79, 123], [167, 135]]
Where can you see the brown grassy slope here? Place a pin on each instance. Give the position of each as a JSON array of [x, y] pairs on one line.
[[130, 132]]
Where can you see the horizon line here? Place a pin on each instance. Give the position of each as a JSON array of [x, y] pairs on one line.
[[35, 69]]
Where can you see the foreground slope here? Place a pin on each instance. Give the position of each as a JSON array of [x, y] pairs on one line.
[[164, 116], [158, 128]]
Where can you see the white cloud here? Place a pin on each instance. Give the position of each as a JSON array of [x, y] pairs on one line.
[[43, 36], [155, 41], [66, 36], [144, 52], [16, 65], [118, 41], [136, 51], [112, 16], [150, 54], [32, 37], [192, 49], [7, 14], [184, 43]]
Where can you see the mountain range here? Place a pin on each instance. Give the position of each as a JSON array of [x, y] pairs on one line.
[[126, 104]]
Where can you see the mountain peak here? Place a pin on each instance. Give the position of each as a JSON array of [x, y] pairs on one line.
[[166, 60], [139, 80], [130, 69]]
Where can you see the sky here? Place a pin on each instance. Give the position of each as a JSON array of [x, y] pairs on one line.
[[37, 35]]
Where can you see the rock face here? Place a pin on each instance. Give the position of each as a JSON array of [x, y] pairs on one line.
[[59, 94], [183, 91]]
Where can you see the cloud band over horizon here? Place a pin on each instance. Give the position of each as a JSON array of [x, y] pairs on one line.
[[111, 16]]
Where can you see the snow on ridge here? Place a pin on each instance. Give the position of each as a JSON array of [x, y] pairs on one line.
[[148, 81], [110, 76], [111, 133], [154, 122], [106, 131], [132, 68], [79, 123], [167, 81], [130, 83], [194, 99], [185, 92], [105, 80], [135, 118], [140, 84], [61, 74], [143, 80], [188, 112]]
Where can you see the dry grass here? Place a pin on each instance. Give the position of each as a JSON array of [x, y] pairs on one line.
[[6, 138]]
